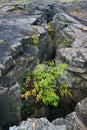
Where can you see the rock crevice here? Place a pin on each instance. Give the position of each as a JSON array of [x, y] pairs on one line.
[[66, 44]]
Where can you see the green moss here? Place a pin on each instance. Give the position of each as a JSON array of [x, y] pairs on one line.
[[51, 30], [66, 42], [15, 6], [34, 39]]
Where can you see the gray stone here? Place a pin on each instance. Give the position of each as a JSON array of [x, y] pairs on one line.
[[68, 78], [10, 101], [5, 9], [81, 107], [16, 49], [76, 120], [69, 125], [76, 69], [46, 48], [71, 26], [68, 54], [80, 62], [69, 44], [83, 52], [39, 29], [7, 64], [73, 56], [37, 124]]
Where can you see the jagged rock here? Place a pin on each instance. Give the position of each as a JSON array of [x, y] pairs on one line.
[[10, 101], [72, 56], [79, 118], [81, 107], [17, 24], [73, 121], [5, 9], [37, 124], [73, 52], [16, 31], [76, 120], [69, 125]]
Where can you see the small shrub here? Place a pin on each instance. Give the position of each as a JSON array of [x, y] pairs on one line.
[[51, 30], [41, 83], [34, 40]]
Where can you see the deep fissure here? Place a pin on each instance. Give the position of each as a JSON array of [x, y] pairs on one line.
[[46, 37], [65, 106]]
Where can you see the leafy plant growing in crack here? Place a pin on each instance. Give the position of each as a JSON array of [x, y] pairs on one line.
[[34, 39], [41, 83], [51, 30]]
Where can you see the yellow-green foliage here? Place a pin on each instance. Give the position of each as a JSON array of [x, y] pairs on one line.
[[34, 39], [66, 42], [63, 89], [51, 30], [40, 83], [16, 6]]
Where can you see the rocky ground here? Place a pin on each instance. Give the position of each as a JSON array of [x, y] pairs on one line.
[[18, 22], [74, 121]]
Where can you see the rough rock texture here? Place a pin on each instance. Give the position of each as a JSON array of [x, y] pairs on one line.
[[69, 125], [10, 102], [81, 107], [73, 121], [77, 120], [37, 124], [71, 39], [18, 22]]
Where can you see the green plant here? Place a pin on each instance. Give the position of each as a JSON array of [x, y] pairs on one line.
[[34, 39], [66, 42], [41, 83], [51, 30]]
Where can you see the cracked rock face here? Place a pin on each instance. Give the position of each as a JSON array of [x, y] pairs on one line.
[[10, 101], [81, 107], [17, 24], [71, 39], [73, 121], [37, 124]]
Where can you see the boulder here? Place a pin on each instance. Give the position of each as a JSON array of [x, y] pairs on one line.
[[69, 125], [37, 124], [79, 116], [10, 102], [70, 39], [81, 107], [77, 120]]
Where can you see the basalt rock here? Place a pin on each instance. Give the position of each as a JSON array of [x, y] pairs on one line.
[[18, 23], [70, 39], [73, 121], [81, 107], [10, 102], [37, 124]]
